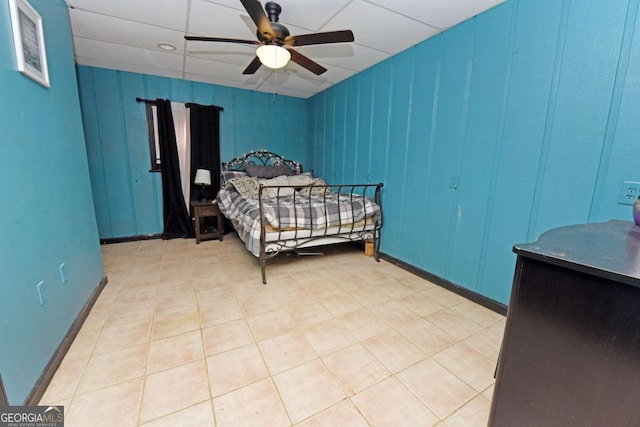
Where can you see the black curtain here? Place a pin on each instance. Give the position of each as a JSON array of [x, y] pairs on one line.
[[177, 222], [204, 122]]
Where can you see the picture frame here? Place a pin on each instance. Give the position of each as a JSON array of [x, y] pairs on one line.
[[28, 38]]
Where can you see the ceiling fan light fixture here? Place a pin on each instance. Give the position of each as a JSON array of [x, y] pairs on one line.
[[273, 56]]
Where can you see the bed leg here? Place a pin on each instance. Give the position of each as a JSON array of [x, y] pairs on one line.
[[263, 268], [376, 253]]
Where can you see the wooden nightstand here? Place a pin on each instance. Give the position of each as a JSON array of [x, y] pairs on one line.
[[204, 209]]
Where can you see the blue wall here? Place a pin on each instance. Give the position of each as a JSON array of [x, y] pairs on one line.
[[47, 216], [514, 122], [531, 107], [128, 198]]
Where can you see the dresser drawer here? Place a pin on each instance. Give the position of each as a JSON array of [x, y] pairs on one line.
[[209, 210]]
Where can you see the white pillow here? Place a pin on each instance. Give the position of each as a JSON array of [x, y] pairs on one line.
[[315, 191], [274, 182], [299, 180]]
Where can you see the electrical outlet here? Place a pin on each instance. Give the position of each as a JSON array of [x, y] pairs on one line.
[[41, 295], [629, 193], [63, 273]]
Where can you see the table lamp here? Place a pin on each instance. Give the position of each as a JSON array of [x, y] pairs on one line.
[[203, 178]]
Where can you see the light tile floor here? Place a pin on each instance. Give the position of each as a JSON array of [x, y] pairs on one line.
[[187, 335]]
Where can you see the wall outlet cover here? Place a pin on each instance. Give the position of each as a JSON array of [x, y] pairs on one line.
[[629, 193]]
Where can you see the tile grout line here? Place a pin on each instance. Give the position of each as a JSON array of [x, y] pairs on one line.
[[299, 329]]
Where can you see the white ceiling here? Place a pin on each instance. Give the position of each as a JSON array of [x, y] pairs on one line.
[[124, 35]]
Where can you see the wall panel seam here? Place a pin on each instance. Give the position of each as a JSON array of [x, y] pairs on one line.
[[614, 108], [154, 181], [464, 121], [497, 153], [407, 140], [344, 136], [389, 117], [125, 141], [357, 133], [551, 108], [371, 117], [432, 137], [104, 174]]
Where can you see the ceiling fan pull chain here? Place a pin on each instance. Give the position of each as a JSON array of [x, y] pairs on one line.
[[275, 89]]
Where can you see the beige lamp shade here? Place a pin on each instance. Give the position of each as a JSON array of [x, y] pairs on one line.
[[203, 177]]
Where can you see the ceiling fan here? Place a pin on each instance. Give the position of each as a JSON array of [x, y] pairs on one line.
[[275, 41]]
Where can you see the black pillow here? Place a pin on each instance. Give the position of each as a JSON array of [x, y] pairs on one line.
[[261, 171]]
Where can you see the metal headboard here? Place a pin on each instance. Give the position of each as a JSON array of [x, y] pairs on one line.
[[260, 157]]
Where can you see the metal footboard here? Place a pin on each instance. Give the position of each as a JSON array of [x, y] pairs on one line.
[[273, 241]]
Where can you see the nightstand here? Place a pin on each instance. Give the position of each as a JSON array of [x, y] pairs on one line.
[[205, 209]]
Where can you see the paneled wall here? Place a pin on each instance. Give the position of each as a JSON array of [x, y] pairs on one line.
[[522, 119], [47, 215], [127, 197]]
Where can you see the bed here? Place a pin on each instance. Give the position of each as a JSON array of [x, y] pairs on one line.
[[275, 207]]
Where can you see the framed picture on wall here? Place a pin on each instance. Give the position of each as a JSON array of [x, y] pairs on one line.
[[28, 39]]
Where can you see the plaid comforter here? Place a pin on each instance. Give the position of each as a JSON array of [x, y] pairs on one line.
[[315, 212]]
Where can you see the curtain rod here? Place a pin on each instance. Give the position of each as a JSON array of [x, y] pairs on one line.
[[150, 101], [189, 104]]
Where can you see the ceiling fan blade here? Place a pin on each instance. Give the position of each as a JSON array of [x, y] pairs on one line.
[[320, 38], [305, 62], [253, 66], [258, 15], [221, 39]]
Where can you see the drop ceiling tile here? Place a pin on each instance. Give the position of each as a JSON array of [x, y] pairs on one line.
[[295, 82], [221, 70], [208, 19], [235, 4], [123, 34], [378, 28], [92, 62], [439, 13], [309, 15], [323, 52], [298, 17], [134, 56], [220, 81], [162, 13], [346, 55], [230, 53], [332, 76], [335, 74], [282, 91], [278, 78], [88, 25]]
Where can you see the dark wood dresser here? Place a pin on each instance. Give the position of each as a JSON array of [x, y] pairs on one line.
[[571, 349]]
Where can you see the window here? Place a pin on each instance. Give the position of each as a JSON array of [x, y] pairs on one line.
[[154, 147]]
